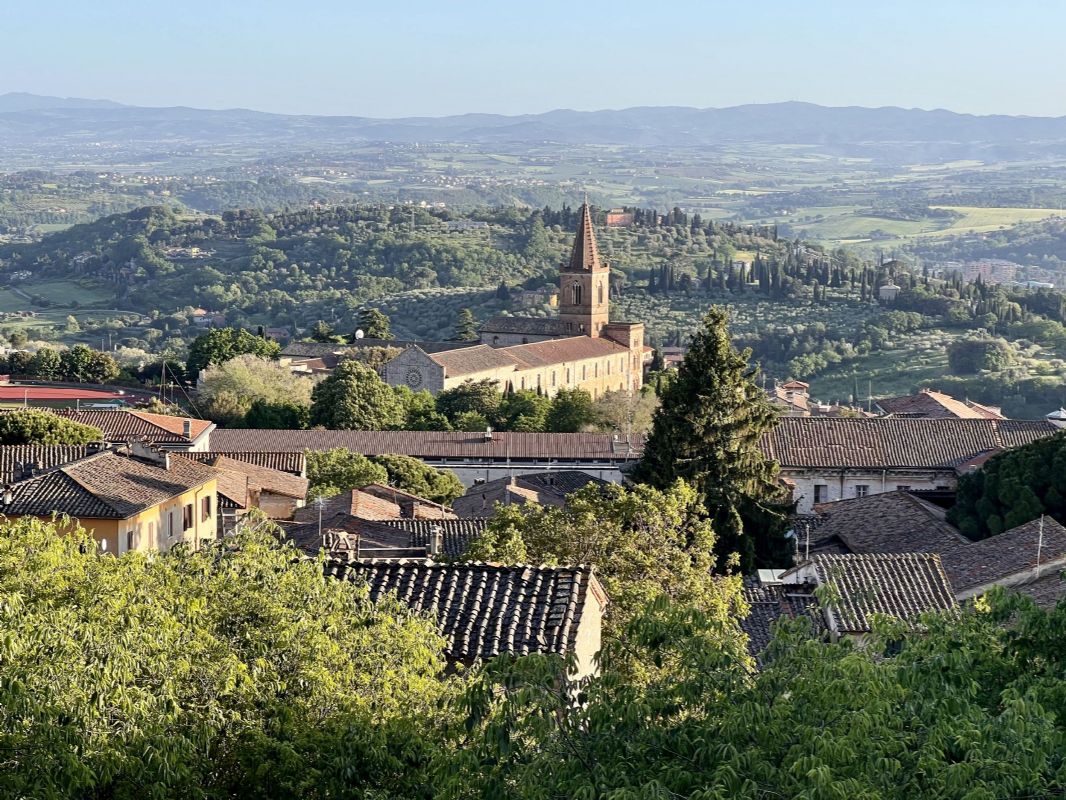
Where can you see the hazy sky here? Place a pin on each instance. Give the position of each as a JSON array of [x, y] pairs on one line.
[[431, 57]]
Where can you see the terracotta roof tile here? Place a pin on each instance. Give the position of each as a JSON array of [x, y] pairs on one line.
[[560, 351], [124, 425], [263, 478], [471, 360], [935, 405], [483, 610], [15, 457], [293, 463]]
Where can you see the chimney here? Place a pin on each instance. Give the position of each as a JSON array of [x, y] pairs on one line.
[[436, 540], [95, 447], [9, 496], [186, 428]]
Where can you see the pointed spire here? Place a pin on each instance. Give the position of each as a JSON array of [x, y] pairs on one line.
[[585, 256]]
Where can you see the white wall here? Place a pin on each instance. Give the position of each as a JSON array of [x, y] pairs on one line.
[[844, 486]]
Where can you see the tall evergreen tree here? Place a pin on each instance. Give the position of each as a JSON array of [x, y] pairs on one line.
[[465, 326], [707, 432]]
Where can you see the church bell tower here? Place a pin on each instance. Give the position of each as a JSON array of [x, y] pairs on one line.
[[584, 283]]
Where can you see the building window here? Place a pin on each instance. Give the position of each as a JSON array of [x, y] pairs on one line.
[[601, 294], [170, 524], [581, 328], [821, 493], [595, 370], [495, 340], [205, 509], [862, 490], [523, 383], [903, 487], [584, 372], [568, 376], [103, 545], [608, 367], [553, 378], [130, 541], [525, 340], [576, 294], [569, 327], [943, 488], [151, 534], [187, 519]]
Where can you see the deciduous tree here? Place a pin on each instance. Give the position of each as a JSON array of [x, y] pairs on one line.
[[32, 426], [353, 397]]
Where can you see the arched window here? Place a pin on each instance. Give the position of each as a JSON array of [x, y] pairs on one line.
[[575, 292]]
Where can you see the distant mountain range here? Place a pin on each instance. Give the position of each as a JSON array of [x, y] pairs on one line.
[[26, 118]]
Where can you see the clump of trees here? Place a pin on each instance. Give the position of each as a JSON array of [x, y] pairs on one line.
[[77, 364], [33, 426], [255, 392], [339, 470], [967, 356], [222, 344], [1012, 488]]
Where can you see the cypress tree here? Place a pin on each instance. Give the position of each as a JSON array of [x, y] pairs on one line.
[[707, 432]]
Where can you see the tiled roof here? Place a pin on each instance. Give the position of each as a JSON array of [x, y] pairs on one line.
[[15, 457], [263, 478], [897, 585], [483, 610], [410, 504], [898, 522], [532, 326], [935, 405], [889, 442], [323, 349], [768, 604], [545, 488], [471, 360], [293, 463], [456, 534], [232, 489], [585, 255], [559, 351], [890, 522], [123, 425], [1006, 554], [433, 444], [353, 503], [1047, 589], [105, 486]]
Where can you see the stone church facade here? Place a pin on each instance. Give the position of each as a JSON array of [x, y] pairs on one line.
[[580, 349]]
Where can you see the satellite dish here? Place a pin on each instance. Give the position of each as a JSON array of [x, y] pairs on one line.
[[359, 334]]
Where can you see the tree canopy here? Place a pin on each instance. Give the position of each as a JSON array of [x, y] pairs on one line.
[[353, 397], [707, 432], [1012, 488], [234, 671], [228, 391], [33, 426], [221, 344]]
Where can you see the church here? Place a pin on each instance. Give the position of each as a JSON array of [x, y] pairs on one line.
[[579, 349]]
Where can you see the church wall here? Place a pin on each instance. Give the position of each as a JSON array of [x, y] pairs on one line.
[[415, 369], [508, 339]]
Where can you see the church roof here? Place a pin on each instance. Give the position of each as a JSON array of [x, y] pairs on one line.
[[585, 257], [533, 326], [559, 351]]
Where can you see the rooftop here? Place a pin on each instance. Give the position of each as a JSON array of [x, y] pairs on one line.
[[124, 425], [106, 485], [17, 458], [935, 405], [533, 326], [890, 442], [545, 488], [585, 255], [483, 610]]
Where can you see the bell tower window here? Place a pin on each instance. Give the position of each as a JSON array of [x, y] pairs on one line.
[[575, 292]]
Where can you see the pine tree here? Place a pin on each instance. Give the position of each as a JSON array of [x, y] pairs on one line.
[[465, 326], [707, 432]]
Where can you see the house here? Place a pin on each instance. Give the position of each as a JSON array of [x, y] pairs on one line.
[[619, 218], [792, 398], [136, 498], [888, 292], [350, 538], [483, 610], [542, 488], [292, 463], [899, 522], [472, 456], [928, 404], [580, 348], [411, 505], [19, 461], [352, 503], [857, 588], [836, 458], [277, 494], [122, 426]]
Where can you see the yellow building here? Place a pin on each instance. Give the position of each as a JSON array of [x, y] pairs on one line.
[[138, 498]]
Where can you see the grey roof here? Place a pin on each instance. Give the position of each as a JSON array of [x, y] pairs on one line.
[[456, 534], [483, 610], [768, 604], [14, 458], [105, 486], [303, 350], [1046, 589], [901, 585], [531, 326], [472, 360], [1006, 554], [890, 442]]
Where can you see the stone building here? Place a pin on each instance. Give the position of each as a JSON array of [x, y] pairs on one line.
[[579, 349]]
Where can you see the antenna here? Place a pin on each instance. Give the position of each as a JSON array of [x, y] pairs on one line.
[[807, 548], [359, 334], [1039, 545]]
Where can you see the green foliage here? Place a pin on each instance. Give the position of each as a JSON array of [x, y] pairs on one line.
[[374, 324], [523, 411], [1012, 488], [707, 432], [644, 543], [334, 471], [353, 397], [470, 397], [235, 671], [571, 411], [969, 708], [967, 356], [31, 426], [466, 329], [84, 365], [221, 344], [229, 391], [412, 475], [277, 414]]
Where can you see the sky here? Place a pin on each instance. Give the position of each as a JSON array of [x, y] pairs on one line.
[[438, 57]]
